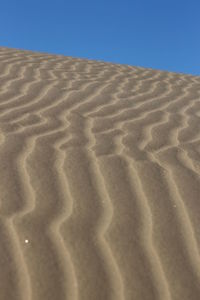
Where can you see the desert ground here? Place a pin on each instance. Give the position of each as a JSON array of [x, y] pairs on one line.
[[99, 180]]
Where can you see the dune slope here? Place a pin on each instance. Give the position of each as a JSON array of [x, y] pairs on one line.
[[99, 180]]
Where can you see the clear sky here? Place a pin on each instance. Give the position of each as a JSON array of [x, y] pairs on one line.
[[160, 34]]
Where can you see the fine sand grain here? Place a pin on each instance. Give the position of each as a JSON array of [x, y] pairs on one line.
[[99, 180]]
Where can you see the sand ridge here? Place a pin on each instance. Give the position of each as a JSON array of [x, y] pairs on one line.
[[100, 180]]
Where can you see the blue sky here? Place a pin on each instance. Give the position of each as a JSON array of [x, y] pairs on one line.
[[162, 35]]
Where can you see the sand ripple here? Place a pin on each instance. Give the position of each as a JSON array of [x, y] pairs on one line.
[[100, 180]]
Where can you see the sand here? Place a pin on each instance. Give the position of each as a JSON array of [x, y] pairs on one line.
[[99, 180]]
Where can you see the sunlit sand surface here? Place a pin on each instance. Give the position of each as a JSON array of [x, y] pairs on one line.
[[99, 180]]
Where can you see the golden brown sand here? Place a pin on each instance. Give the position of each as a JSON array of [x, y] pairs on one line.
[[99, 180]]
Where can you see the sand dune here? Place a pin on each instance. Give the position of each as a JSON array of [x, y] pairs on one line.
[[100, 180]]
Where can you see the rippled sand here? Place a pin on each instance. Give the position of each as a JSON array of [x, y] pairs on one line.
[[99, 180]]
